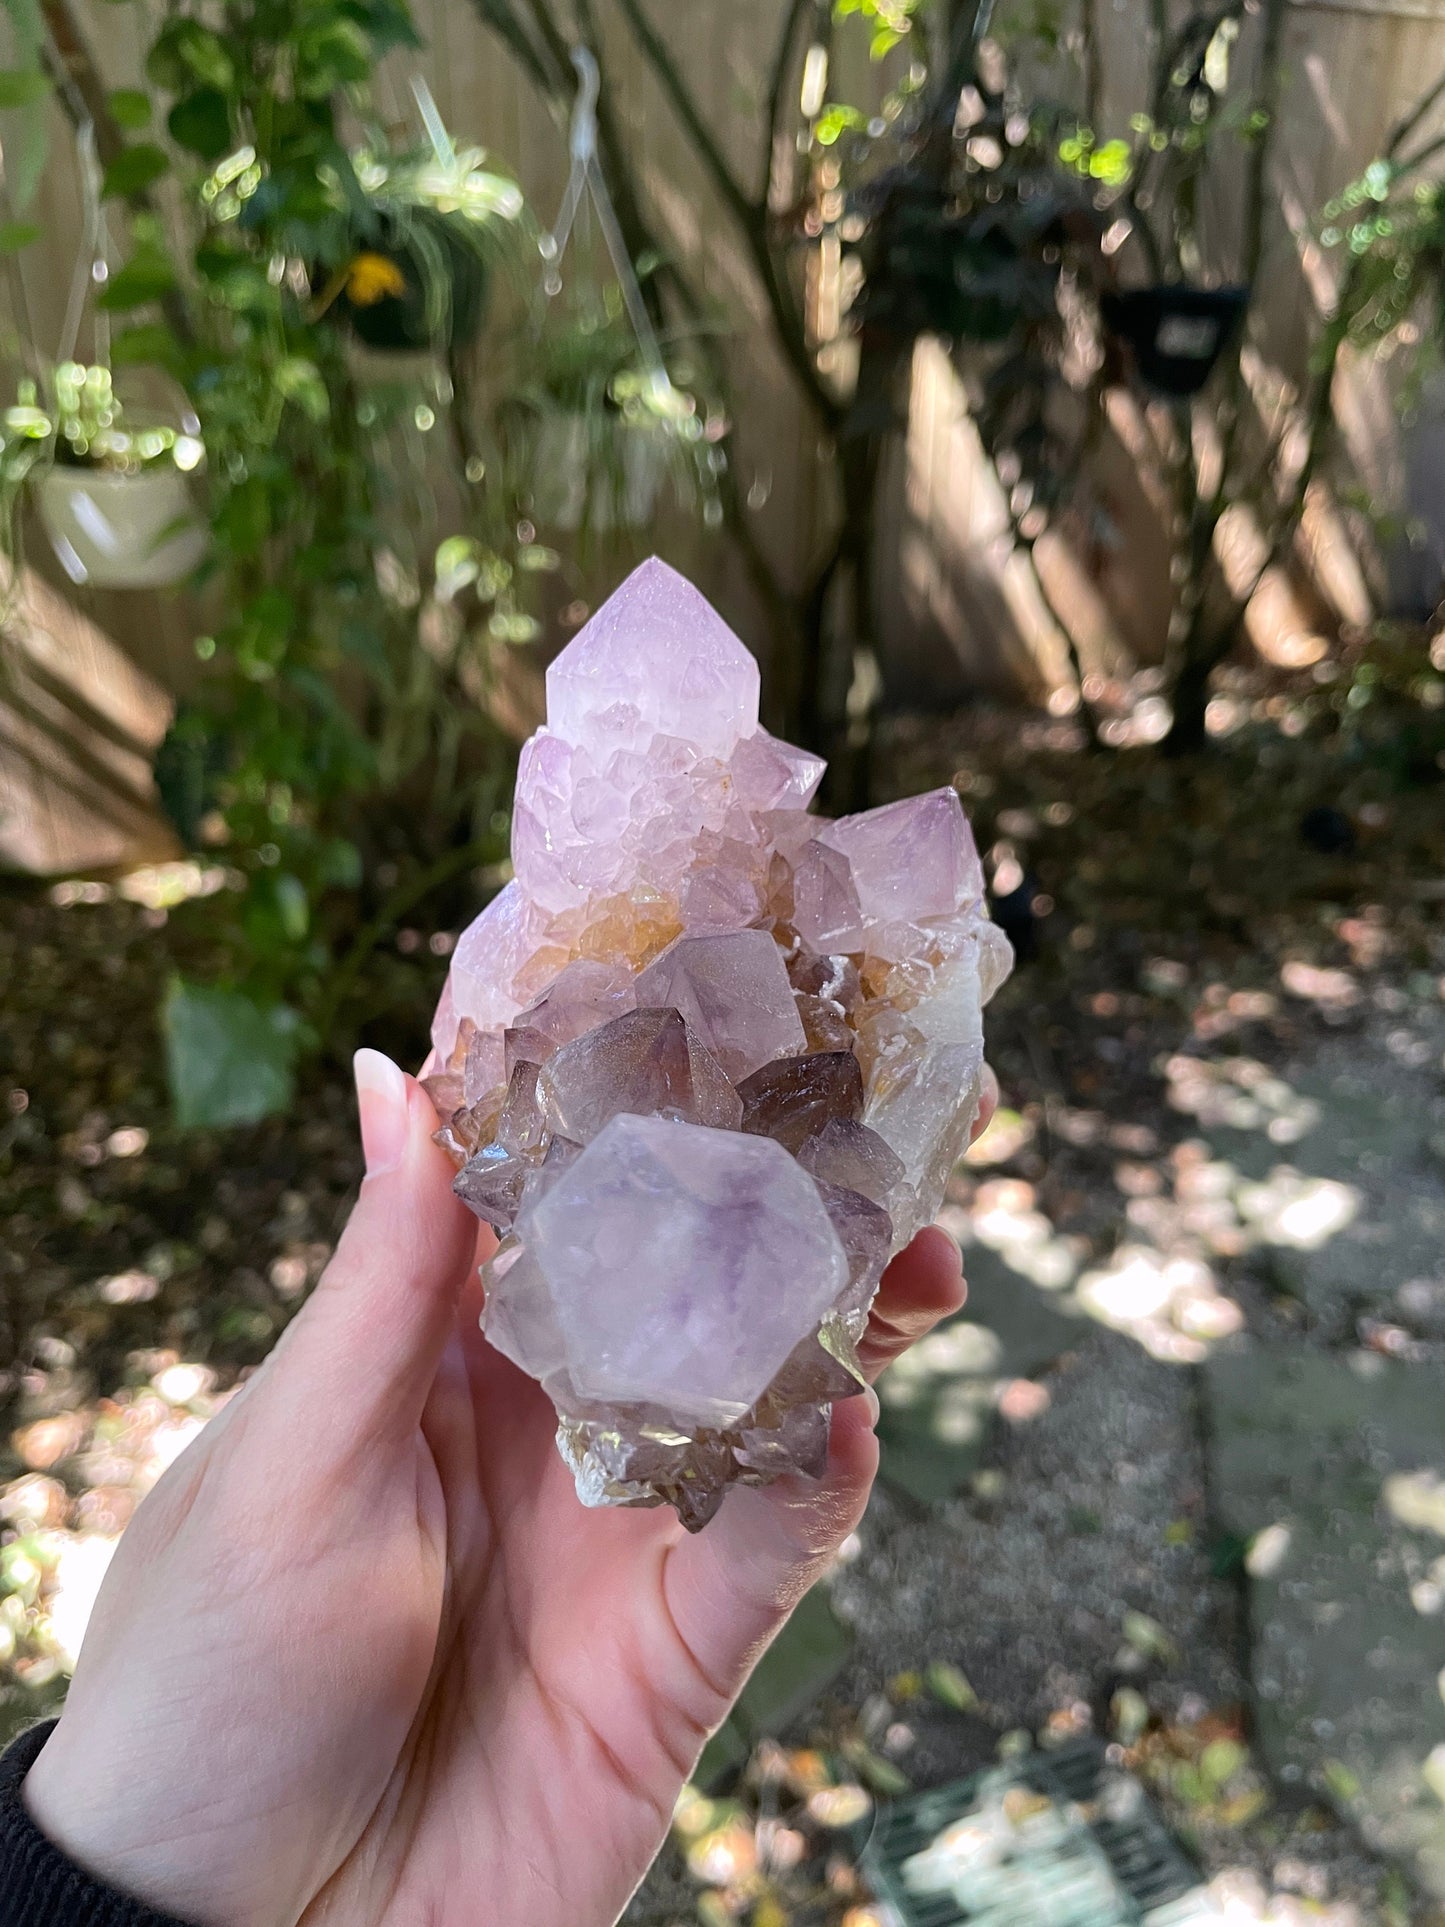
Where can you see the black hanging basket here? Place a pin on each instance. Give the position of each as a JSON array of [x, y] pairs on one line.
[[1176, 333], [441, 300]]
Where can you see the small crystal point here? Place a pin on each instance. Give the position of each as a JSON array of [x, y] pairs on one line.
[[655, 660], [681, 1263], [734, 992], [647, 1062], [491, 954], [827, 913], [847, 1153], [910, 862], [491, 1182], [771, 775], [795, 1098]]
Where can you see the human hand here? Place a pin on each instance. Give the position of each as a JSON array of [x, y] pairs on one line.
[[362, 1657]]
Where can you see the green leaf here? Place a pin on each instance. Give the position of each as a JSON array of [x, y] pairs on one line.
[[1341, 1782], [230, 1060], [948, 1684], [1221, 1760], [293, 907], [134, 169], [201, 123], [145, 277], [341, 864], [23, 87], [185, 52], [15, 235], [301, 381], [147, 344], [131, 108], [836, 119], [330, 56], [1148, 1638], [1111, 163]]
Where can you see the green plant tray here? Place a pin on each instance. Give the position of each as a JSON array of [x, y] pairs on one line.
[[1058, 1839]]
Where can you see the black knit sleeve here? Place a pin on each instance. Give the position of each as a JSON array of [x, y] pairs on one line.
[[39, 1886]]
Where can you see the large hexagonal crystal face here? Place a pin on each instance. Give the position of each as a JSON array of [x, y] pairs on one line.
[[684, 1264]]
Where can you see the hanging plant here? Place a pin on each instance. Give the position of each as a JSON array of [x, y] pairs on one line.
[[1175, 333], [426, 240], [25, 432], [114, 499], [597, 435], [601, 422]]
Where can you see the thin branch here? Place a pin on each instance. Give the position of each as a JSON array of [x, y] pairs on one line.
[[502, 19], [959, 68], [751, 216], [743, 207], [1319, 420], [1413, 162], [77, 78], [777, 87], [1093, 64], [83, 95], [1256, 204], [563, 80], [1266, 113], [1406, 126]]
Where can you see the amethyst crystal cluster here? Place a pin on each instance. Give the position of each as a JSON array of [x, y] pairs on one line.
[[706, 1063]]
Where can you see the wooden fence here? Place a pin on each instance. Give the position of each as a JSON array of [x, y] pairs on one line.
[[961, 610]]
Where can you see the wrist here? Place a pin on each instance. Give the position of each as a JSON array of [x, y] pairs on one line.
[[87, 1837]]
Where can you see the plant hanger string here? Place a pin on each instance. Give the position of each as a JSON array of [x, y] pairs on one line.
[[586, 178], [93, 261]]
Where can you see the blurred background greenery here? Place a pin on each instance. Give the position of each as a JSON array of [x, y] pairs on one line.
[[1049, 392]]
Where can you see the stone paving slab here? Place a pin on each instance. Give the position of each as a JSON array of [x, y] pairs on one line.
[[940, 1400], [1374, 1128], [1332, 1467]]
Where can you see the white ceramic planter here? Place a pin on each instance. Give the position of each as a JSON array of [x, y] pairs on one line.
[[122, 531], [560, 484]]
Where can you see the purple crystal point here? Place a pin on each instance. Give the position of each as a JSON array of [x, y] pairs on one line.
[[912, 861], [706, 1062], [827, 914], [794, 1099], [848, 1154], [585, 995], [771, 775], [734, 993], [492, 953], [656, 660], [648, 1063]]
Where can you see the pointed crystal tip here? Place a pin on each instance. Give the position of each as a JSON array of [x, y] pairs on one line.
[[655, 660]]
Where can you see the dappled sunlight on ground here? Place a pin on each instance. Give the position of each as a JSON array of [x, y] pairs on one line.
[[88, 1469]]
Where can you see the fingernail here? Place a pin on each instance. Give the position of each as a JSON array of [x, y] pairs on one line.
[[382, 1104], [871, 1405]]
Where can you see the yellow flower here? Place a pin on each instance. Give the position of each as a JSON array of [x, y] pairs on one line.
[[371, 278]]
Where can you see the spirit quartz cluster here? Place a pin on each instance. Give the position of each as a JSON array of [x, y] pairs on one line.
[[706, 1063]]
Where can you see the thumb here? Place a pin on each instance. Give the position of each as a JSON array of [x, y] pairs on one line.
[[730, 1588], [373, 1331]]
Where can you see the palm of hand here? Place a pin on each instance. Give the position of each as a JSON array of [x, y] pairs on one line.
[[450, 1685], [564, 1707]]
